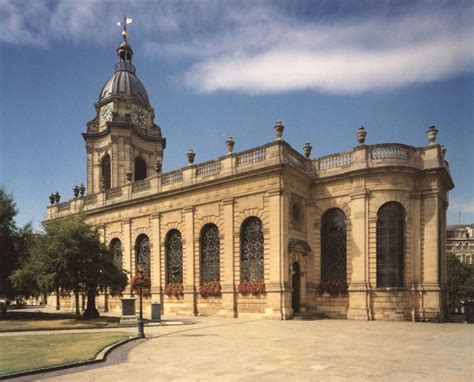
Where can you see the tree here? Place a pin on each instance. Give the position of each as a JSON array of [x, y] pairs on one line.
[[460, 282], [71, 256], [14, 244]]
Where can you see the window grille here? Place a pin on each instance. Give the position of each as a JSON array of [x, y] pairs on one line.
[[142, 254], [105, 166], [210, 254], [333, 246], [174, 257], [390, 245], [116, 249], [251, 267]]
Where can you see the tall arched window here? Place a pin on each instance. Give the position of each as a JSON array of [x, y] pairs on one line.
[[390, 245], [210, 254], [251, 252], [105, 172], [142, 252], [140, 169], [116, 249], [333, 246], [174, 257]]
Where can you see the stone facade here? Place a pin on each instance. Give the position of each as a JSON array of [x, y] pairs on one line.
[[460, 241], [288, 193]]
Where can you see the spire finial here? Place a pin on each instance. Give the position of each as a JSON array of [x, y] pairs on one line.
[[126, 20]]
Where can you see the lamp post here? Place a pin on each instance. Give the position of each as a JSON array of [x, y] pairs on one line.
[[141, 332]]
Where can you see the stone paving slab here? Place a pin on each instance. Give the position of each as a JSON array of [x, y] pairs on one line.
[[218, 349]]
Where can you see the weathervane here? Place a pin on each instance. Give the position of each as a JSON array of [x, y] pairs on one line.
[[126, 21]]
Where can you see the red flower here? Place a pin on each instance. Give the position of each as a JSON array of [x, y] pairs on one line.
[[210, 289], [333, 287], [251, 287], [141, 280], [174, 290]]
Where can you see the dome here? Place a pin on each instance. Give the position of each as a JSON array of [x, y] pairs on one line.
[[124, 83]]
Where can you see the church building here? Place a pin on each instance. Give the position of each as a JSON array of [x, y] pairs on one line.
[[269, 232]]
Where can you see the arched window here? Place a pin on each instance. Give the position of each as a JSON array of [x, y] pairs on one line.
[[251, 252], [210, 254], [174, 257], [333, 246], [116, 249], [142, 253], [140, 169], [390, 245], [105, 172]]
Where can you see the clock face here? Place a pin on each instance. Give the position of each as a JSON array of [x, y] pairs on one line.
[[139, 117], [106, 114]]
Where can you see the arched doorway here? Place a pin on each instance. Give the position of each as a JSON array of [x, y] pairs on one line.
[[295, 283]]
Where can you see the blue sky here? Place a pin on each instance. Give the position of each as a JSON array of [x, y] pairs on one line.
[[214, 69]]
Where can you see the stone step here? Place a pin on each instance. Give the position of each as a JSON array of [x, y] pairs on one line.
[[309, 316]]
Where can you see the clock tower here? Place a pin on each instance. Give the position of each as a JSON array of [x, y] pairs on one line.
[[122, 141]]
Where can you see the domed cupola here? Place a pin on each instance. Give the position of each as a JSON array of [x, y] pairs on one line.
[[124, 82]]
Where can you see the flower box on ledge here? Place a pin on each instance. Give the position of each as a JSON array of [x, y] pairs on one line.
[[210, 289], [251, 287], [333, 287], [174, 290]]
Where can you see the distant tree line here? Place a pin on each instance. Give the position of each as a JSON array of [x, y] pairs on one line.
[[68, 255]]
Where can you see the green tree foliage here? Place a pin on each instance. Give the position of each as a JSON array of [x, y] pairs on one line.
[[14, 244], [460, 282], [71, 256]]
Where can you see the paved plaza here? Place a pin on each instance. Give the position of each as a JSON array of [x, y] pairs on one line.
[[218, 349]]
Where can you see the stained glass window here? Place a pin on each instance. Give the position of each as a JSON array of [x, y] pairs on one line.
[[390, 245], [142, 252], [333, 246], [210, 255], [105, 166], [116, 249], [174, 257], [251, 241]]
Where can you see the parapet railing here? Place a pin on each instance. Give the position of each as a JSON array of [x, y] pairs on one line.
[[251, 156], [389, 151], [141, 185], [333, 161], [208, 168], [172, 177]]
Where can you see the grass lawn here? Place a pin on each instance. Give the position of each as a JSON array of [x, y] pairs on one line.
[[24, 320], [29, 352]]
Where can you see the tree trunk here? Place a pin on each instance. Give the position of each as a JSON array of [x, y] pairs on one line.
[[58, 300], [91, 311], [76, 297]]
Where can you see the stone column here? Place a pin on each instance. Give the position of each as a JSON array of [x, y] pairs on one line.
[[278, 259], [156, 259], [188, 262], [359, 308], [227, 262], [431, 257], [127, 250]]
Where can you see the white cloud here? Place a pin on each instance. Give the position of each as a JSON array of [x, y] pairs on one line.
[[266, 47]]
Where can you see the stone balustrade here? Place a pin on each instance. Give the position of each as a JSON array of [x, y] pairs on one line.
[[277, 153]]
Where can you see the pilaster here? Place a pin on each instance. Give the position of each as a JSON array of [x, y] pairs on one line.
[[227, 261]]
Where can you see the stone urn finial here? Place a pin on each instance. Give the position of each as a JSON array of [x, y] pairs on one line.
[[278, 130], [230, 145], [51, 198], [361, 134], [75, 190], [191, 155], [57, 197], [82, 189], [307, 149], [158, 166], [128, 175], [431, 133]]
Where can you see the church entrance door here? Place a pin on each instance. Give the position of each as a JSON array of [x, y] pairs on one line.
[[295, 283]]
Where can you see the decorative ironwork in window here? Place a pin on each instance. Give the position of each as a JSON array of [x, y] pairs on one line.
[[296, 212], [140, 169], [251, 242], [142, 253], [210, 254], [174, 257], [116, 249], [333, 246], [390, 245], [105, 167]]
